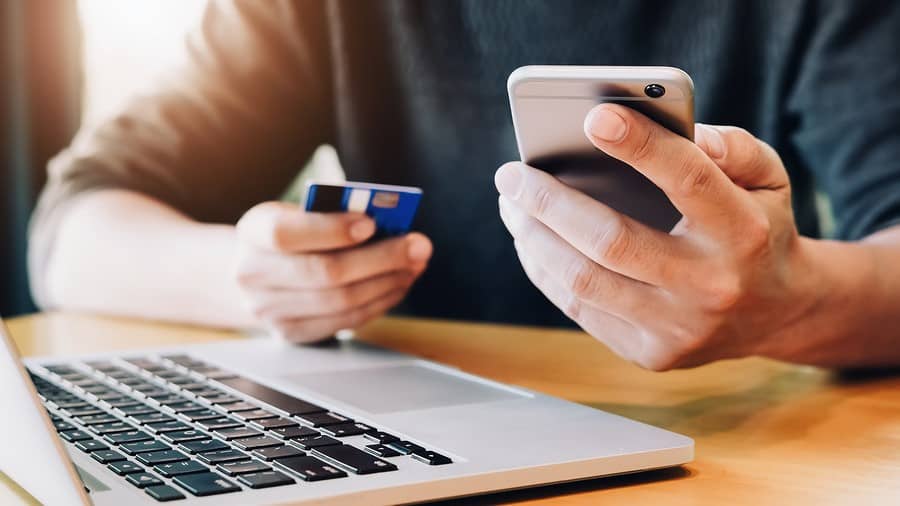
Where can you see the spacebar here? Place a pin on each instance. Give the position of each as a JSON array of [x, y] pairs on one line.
[[280, 400]]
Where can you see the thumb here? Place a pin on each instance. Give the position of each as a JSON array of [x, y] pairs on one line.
[[285, 228], [749, 162]]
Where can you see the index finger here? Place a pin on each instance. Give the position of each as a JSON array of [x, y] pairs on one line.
[[692, 181], [285, 228]]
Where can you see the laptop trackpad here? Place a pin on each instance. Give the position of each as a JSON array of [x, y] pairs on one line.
[[381, 390]]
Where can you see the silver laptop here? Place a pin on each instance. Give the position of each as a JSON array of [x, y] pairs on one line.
[[258, 421]]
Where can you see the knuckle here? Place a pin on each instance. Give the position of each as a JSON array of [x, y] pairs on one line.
[[723, 294], [543, 200], [612, 241], [756, 234], [579, 278], [643, 147], [571, 307], [696, 179], [330, 268], [340, 298]]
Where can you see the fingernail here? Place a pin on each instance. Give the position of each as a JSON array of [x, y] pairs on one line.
[[605, 125], [715, 145], [362, 229], [419, 250], [508, 180]]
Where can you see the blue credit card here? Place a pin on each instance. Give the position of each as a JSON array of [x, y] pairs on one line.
[[392, 207]]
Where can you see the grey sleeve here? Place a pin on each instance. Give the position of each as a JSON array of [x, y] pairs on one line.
[[846, 108], [228, 129]]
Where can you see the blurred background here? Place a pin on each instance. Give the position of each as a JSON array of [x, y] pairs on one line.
[[64, 63]]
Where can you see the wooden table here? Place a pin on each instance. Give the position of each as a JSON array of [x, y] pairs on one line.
[[766, 432]]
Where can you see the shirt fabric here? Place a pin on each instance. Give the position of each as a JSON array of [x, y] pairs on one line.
[[413, 93]]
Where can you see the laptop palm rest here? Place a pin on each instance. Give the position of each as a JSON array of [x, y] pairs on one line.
[[403, 387]]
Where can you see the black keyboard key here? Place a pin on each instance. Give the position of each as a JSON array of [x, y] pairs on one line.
[[273, 423], [294, 432], [221, 399], [132, 436], [239, 432], [70, 404], [144, 447], [112, 428], [179, 468], [182, 379], [123, 402], [280, 400], [310, 468], [431, 458], [102, 366], [91, 445], [219, 374], [107, 456], [185, 407], [61, 369], [95, 419], [156, 417], [250, 466], [163, 493], [206, 414], [240, 406], [206, 392], [124, 467], [355, 459], [322, 419], [382, 450], [161, 457], [206, 445], [220, 456], [307, 443], [381, 437], [265, 479], [253, 443], [145, 363], [168, 426], [142, 480], [256, 414], [75, 435], [218, 424], [344, 429], [62, 426], [406, 447], [84, 411], [167, 399], [202, 484], [137, 409], [277, 452], [152, 392], [181, 436]]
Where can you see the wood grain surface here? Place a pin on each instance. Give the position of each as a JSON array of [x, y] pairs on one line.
[[766, 432]]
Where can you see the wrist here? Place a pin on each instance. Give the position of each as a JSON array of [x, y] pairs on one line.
[[833, 288]]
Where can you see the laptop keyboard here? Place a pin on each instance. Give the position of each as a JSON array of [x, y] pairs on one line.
[[175, 426]]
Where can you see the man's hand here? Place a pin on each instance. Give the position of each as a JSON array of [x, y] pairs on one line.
[[731, 277], [307, 275]]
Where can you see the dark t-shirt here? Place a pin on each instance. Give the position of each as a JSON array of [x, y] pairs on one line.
[[413, 93]]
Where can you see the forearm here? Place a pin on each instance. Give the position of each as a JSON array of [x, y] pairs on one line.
[[124, 253], [854, 319]]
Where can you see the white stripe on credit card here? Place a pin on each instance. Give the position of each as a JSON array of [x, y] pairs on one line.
[[359, 200]]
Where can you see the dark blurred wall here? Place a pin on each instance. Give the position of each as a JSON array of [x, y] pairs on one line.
[[40, 96]]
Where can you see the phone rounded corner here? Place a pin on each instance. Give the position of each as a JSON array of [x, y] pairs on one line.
[[684, 77], [517, 77]]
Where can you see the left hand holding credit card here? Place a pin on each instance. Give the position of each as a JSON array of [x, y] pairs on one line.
[[306, 275]]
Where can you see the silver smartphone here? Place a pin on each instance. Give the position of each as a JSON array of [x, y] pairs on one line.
[[549, 104]]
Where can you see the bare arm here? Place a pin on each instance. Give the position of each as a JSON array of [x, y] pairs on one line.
[[124, 253], [301, 275]]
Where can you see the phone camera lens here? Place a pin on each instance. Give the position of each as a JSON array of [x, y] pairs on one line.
[[654, 90]]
